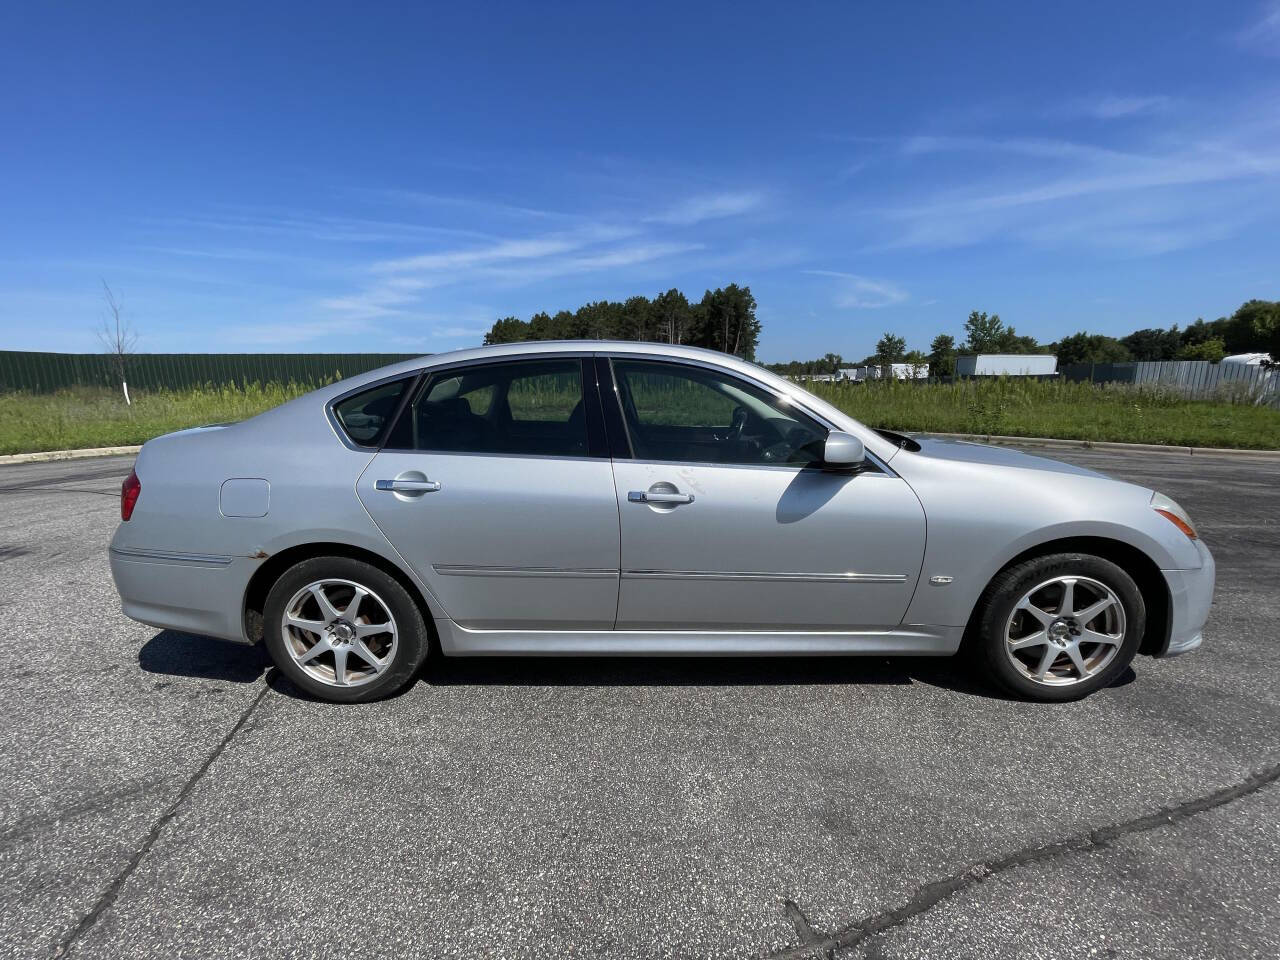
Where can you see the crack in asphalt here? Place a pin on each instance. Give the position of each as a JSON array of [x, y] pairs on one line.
[[804, 930], [97, 493], [931, 894], [112, 892]]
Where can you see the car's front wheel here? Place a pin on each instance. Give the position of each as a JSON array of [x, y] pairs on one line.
[[1059, 627], [344, 630]]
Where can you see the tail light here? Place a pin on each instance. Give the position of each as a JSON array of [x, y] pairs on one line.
[[129, 491]]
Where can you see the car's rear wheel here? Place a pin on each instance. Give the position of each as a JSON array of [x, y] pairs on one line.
[[1059, 627], [344, 630]]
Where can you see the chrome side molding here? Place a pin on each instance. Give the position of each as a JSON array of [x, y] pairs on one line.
[[762, 575], [482, 570]]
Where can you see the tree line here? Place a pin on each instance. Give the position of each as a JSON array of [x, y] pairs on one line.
[[1253, 328], [725, 320]]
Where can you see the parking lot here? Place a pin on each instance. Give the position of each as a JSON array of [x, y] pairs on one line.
[[165, 795]]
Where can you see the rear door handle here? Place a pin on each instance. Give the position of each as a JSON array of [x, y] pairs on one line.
[[651, 496], [407, 486]]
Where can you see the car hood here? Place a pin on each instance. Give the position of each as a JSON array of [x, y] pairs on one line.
[[967, 451]]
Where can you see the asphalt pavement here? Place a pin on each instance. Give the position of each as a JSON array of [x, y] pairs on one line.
[[164, 795]]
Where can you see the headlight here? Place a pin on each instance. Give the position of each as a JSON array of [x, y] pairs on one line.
[[1169, 509]]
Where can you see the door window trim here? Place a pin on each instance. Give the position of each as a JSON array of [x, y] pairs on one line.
[[597, 442], [623, 451], [611, 404], [413, 376]]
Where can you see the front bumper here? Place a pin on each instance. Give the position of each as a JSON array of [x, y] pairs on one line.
[[1190, 596], [193, 593]]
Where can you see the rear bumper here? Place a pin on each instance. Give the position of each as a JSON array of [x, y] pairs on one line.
[[1190, 595], [194, 593]]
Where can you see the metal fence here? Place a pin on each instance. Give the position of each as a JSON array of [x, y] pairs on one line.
[[1194, 379], [46, 372]]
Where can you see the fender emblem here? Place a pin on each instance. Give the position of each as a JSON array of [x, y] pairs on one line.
[[940, 581]]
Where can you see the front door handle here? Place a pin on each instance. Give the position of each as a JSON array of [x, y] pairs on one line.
[[407, 486], [658, 496]]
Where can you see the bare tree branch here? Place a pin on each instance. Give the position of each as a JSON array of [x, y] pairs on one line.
[[118, 337]]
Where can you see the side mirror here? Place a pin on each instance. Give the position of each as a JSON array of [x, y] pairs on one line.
[[843, 450]]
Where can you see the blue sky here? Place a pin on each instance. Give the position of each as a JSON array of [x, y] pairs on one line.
[[318, 177]]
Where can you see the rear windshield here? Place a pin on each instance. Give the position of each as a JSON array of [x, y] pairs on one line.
[[364, 416]]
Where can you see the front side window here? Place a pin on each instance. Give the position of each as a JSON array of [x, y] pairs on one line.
[[364, 416], [531, 407], [676, 412]]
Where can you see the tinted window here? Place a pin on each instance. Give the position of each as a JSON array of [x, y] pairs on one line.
[[684, 413], [365, 415], [519, 407]]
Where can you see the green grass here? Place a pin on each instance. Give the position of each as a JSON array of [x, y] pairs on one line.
[[1082, 411], [1056, 408], [73, 419]]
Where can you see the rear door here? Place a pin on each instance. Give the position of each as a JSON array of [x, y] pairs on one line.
[[729, 521], [495, 485]]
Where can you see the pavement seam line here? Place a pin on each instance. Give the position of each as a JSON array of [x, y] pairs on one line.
[[112, 892], [931, 894]]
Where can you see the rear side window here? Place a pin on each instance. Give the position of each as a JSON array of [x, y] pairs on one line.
[[530, 407], [364, 416]]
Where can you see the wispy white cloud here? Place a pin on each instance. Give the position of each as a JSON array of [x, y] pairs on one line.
[[1262, 35], [864, 293], [615, 258], [463, 202], [384, 299], [292, 332], [713, 206], [427, 254], [851, 170], [1205, 163], [1137, 202], [398, 286], [504, 250], [1037, 147], [235, 254], [302, 226], [1115, 107], [1136, 227]]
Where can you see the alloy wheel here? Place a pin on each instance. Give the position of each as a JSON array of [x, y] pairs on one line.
[[1065, 630], [339, 632]]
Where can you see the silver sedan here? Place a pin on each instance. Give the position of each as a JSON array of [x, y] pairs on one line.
[[621, 498]]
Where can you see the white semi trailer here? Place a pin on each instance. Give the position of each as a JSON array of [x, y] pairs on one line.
[[1006, 365]]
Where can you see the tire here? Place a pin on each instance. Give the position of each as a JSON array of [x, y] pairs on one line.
[[1025, 603], [347, 654]]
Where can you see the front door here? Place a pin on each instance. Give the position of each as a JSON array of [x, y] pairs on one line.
[[730, 523], [493, 489]]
